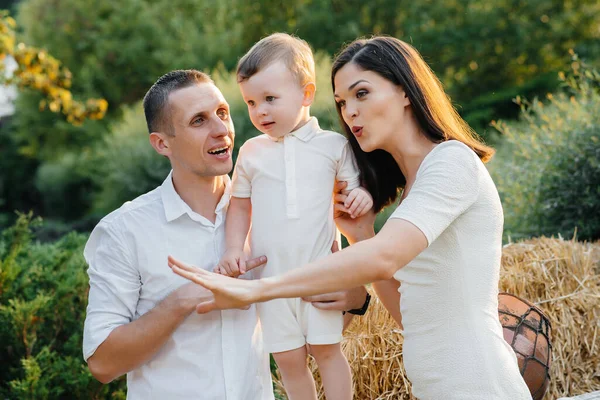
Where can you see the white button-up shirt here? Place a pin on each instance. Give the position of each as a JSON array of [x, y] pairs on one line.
[[290, 183], [214, 356]]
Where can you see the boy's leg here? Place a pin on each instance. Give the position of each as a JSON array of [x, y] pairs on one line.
[[334, 370], [297, 378]]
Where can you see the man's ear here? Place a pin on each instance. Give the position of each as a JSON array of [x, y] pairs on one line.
[[160, 142], [309, 94]]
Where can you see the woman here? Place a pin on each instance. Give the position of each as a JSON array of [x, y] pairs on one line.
[[442, 243]]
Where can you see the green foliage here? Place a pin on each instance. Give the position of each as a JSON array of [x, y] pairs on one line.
[[124, 164], [43, 293], [548, 169]]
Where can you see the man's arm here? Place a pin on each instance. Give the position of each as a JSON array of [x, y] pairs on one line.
[[131, 345]]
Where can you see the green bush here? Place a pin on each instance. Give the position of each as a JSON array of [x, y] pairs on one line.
[[548, 169], [43, 296]]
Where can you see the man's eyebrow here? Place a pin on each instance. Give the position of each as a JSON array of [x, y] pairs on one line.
[[197, 114], [352, 86]]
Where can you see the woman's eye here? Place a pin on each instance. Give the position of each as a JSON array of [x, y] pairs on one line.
[[341, 103], [270, 98], [361, 93]]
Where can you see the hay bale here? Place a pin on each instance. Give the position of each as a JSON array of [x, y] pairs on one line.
[[561, 277]]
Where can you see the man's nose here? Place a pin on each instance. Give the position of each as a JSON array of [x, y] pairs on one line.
[[221, 127]]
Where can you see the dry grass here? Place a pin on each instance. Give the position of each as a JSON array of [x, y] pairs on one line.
[[561, 277]]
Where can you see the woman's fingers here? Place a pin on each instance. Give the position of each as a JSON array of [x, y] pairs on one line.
[[339, 186], [340, 198], [340, 207], [206, 306], [182, 265]]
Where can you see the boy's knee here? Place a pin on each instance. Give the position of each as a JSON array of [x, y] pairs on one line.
[[325, 352], [292, 360]]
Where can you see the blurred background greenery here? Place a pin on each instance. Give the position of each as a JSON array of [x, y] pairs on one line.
[[522, 73]]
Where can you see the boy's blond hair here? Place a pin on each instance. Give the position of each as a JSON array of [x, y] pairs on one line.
[[293, 51]]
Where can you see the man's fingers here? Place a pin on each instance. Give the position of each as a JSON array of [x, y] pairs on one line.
[[205, 307], [242, 265], [255, 262], [327, 297], [326, 305]]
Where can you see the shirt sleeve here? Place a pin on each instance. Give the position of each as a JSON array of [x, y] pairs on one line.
[[241, 184], [114, 286], [347, 168], [447, 184]]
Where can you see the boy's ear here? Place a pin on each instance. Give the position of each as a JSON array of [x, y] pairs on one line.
[[160, 142], [309, 94]]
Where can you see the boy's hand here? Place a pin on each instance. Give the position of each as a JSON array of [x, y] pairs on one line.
[[358, 202], [233, 263]]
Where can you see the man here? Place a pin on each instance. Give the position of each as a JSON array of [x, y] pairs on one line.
[[140, 317]]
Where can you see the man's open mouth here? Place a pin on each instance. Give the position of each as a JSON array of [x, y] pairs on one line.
[[220, 150]]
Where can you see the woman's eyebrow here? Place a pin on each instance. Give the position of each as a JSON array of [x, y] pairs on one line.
[[356, 83]]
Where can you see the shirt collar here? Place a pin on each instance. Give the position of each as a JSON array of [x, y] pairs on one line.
[[175, 207], [307, 131], [304, 133]]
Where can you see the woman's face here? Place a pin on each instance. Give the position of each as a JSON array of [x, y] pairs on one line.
[[372, 107]]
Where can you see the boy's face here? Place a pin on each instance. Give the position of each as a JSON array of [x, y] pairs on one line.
[[275, 100]]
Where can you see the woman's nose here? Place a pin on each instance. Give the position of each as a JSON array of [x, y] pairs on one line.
[[350, 112]]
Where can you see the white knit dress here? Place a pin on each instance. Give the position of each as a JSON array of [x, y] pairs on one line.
[[453, 344]]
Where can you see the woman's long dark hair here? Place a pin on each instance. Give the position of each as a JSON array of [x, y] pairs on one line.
[[401, 64]]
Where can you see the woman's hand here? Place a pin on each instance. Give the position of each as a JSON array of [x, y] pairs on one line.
[[354, 229], [228, 292]]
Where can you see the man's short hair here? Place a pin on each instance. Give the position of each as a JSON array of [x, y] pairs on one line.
[[156, 100], [293, 51]]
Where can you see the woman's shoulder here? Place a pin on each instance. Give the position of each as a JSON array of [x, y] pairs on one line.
[[452, 154]]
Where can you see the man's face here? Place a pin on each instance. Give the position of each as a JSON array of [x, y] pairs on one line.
[[203, 131]]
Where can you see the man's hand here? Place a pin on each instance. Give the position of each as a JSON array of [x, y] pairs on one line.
[[343, 300]]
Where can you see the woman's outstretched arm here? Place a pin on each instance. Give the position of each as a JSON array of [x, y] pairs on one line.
[[371, 260]]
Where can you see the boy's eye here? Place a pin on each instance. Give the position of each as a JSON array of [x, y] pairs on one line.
[[361, 93], [198, 120], [251, 103], [270, 98]]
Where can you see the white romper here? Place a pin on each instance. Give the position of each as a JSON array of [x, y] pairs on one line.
[[453, 344], [290, 184]]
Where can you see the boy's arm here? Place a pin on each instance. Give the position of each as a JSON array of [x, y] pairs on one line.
[[237, 225]]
